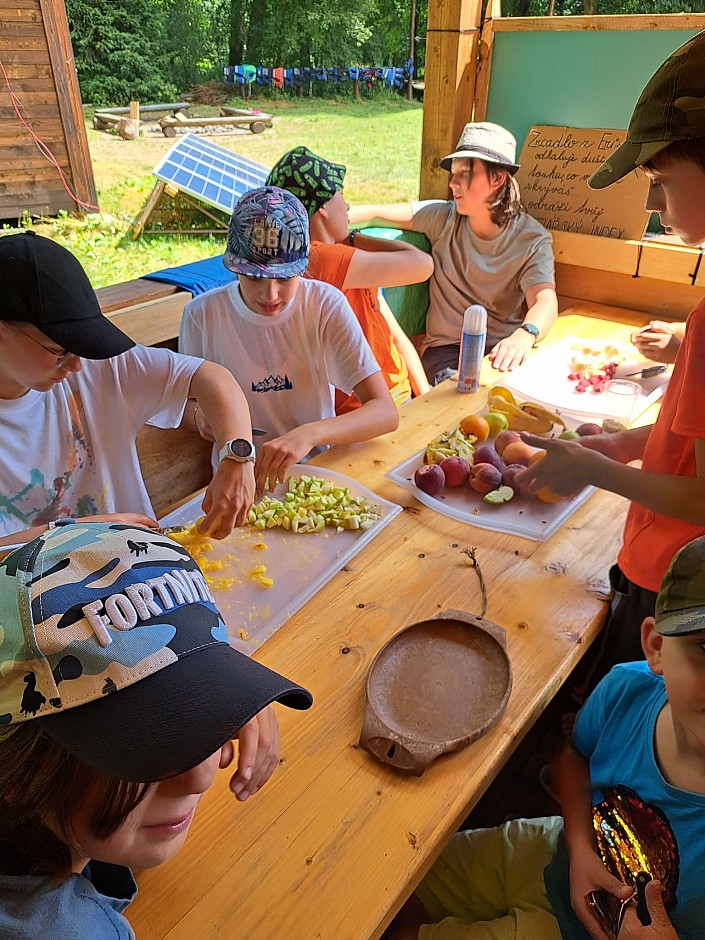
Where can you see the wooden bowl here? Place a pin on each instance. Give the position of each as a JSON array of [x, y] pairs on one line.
[[435, 687]]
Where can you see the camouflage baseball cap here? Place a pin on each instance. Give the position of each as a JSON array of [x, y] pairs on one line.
[[268, 235], [311, 179], [671, 107], [111, 641], [680, 604]]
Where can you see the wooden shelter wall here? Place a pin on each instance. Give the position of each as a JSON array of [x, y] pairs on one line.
[[36, 53]]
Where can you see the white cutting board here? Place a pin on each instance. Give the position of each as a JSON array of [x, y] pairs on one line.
[[543, 378], [523, 515], [299, 564]]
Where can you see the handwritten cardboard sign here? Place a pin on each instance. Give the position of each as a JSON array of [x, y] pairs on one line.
[[555, 165]]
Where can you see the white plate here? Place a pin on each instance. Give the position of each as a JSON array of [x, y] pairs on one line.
[[523, 515], [543, 378], [299, 564]]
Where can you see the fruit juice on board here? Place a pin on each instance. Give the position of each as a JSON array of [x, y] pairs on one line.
[[472, 348]]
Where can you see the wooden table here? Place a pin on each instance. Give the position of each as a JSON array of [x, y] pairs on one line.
[[335, 841]]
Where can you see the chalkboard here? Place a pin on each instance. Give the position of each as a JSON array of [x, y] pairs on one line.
[[555, 165], [573, 78]]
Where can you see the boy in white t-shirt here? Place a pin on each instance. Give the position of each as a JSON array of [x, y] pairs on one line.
[[288, 341], [74, 392]]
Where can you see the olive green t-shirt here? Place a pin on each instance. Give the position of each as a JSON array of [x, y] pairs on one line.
[[470, 270]]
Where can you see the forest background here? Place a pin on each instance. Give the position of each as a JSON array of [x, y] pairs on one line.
[[154, 49]]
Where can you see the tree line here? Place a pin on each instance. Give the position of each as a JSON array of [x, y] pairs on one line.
[[153, 50]]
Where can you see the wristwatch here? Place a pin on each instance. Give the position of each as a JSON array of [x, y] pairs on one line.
[[238, 449], [531, 330]]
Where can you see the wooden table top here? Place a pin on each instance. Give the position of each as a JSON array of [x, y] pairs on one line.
[[335, 842]]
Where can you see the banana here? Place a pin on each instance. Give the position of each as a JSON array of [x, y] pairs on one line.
[[519, 420], [537, 411]]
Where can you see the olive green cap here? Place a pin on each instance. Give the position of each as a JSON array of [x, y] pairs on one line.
[[680, 604], [671, 107]]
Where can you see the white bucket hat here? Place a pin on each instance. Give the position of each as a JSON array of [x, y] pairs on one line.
[[485, 141]]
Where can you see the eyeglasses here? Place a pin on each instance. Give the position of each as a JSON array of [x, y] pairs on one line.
[[60, 357]]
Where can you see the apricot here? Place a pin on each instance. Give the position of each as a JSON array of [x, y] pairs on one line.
[[548, 496], [536, 456], [518, 452]]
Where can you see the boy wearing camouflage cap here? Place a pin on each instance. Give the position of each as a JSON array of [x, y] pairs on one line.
[[666, 138], [358, 265], [120, 697], [632, 791], [287, 340]]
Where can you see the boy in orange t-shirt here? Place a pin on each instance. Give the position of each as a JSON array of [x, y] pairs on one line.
[[666, 138], [357, 265]]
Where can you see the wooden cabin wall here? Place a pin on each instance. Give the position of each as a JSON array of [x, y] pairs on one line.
[[35, 49]]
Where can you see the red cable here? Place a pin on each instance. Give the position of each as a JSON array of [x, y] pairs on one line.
[[41, 146]]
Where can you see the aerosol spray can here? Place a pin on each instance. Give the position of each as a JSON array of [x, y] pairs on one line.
[[472, 348]]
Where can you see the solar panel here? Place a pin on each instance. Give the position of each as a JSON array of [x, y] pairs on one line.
[[209, 172]]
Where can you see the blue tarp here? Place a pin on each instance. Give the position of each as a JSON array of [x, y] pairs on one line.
[[197, 277]]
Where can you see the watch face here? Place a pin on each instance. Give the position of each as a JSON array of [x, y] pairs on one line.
[[241, 448], [530, 328]]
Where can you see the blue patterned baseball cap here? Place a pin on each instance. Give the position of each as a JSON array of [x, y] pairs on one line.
[[268, 235], [111, 641]]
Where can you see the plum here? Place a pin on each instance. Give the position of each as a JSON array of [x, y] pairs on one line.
[[509, 474], [504, 438], [484, 477], [456, 470], [430, 478], [586, 430], [487, 454]]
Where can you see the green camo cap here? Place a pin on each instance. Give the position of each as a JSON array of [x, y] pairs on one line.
[[680, 604], [671, 107], [313, 180]]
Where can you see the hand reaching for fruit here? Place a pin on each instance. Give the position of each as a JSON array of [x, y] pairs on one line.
[[564, 469]]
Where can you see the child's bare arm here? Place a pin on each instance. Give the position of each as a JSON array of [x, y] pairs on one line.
[[224, 406], [395, 215], [377, 415], [587, 873], [383, 262], [542, 313], [568, 467]]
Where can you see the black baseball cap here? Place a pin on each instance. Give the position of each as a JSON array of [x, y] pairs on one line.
[[45, 285]]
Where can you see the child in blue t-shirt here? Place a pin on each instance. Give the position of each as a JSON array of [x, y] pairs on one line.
[[119, 700], [632, 790]]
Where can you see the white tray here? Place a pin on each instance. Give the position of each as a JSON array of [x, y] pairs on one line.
[[543, 378], [299, 564], [523, 515]]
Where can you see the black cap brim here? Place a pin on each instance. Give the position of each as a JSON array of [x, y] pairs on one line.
[[93, 338], [176, 718]]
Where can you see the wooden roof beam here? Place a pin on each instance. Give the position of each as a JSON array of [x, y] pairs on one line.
[[451, 58]]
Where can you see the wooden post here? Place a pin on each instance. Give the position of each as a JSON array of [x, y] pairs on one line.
[[135, 113], [451, 59]]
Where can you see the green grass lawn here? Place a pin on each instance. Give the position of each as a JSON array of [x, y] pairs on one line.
[[379, 140]]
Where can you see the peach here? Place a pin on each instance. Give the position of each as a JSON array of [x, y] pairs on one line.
[[518, 452], [456, 470], [504, 438], [484, 477], [430, 478]]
